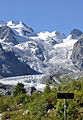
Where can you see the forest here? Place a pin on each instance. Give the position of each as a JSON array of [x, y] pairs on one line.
[[43, 105]]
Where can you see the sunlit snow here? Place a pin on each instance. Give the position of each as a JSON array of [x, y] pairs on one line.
[[45, 52]]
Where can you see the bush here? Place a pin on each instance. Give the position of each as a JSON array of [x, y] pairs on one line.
[[15, 115], [5, 103], [21, 98]]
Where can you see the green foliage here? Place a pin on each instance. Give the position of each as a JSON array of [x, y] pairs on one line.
[[21, 98], [42, 103], [19, 89], [72, 110], [82, 85], [5, 103], [14, 115], [45, 105], [79, 98], [47, 89], [60, 110], [74, 85]]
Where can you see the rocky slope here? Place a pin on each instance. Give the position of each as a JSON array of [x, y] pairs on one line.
[[7, 35], [23, 52], [45, 52], [75, 33], [77, 54], [11, 66]]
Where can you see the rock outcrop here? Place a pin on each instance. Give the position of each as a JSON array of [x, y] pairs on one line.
[[7, 35], [77, 54], [10, 65], [75, 33]]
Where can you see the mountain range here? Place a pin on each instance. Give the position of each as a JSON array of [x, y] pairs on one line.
[[44, 52]]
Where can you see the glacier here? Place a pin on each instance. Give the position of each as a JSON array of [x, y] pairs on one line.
[[45, 52]]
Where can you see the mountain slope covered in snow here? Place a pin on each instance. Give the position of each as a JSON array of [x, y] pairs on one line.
[[45, 52], [10, 65]]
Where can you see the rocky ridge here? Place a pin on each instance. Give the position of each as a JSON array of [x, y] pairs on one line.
[[45, 52], [77, 54]]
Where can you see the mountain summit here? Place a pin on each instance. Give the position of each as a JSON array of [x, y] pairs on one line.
[[45, 52], [75, 33], [21, 29]]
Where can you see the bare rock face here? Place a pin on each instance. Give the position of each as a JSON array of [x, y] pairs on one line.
[[6, 89], [77, 54], [75, 33], [7, 35], [10, 65]]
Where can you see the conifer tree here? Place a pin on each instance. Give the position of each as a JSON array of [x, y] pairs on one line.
[[19, 89]]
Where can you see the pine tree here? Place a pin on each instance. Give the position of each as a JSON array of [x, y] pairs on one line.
[[19, 89]]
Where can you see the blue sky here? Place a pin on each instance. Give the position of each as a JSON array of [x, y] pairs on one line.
[[43, 15]]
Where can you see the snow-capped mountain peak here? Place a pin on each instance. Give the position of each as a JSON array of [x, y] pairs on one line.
[[55, 35], [21, 29], [24, 52], [74, 35], [45, 52]]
